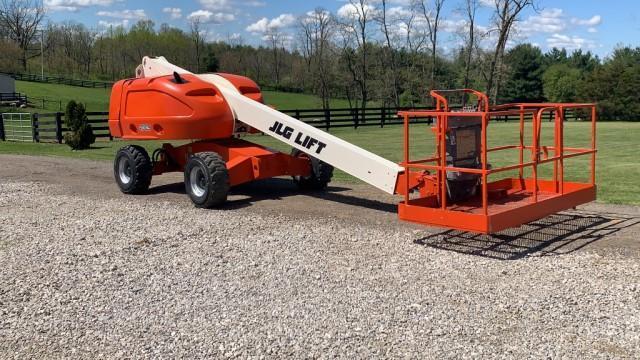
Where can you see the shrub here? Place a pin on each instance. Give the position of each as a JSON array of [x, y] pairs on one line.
[[81, 135], [408, 99]]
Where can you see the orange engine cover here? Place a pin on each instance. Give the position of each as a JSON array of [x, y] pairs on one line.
[[162, 108], [245, 86]]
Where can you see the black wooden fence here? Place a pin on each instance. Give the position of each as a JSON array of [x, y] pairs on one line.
[[355, 118], [13, 97], [51, 128], [60, 80], [18, 99]]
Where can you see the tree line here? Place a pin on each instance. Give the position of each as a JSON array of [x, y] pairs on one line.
[[367, 55]]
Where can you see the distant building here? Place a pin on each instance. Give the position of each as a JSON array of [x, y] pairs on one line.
[[7, 84]]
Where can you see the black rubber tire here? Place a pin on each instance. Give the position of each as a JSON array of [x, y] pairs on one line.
[[321, 173], [137, 168], [213, 179]]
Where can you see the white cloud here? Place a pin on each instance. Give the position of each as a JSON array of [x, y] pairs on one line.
[[263, 25], [352, 12], [453, 26], [259, 26], [555, 22], [208, 17], [138, 14], [214, 4], [280, 39], [594, 21], [398, 12], [108, 24], [401, 2], [218, 5], [548, 21], [175, 13], [229, 38], [569, 42], [281, 21], [75, 5], [312, 14]]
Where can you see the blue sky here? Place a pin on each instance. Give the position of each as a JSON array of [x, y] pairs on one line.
[[598, 26]]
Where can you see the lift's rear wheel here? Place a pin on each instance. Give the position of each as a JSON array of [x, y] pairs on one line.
[[206, 179], [132, 169], [321, 173]]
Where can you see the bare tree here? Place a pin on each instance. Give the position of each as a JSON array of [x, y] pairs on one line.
[[390, 53], [276, 39], [198, 40], [414, 38], [432, 18], [20, 20], [356, 27], [317, 29], [349, 60], [505, 15], [257, 64], [99, 49], [305, 39], [71, 44], [234, 39], [471, 8], [85, 42]]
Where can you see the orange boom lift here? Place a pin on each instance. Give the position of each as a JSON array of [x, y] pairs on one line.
[[450, 189]]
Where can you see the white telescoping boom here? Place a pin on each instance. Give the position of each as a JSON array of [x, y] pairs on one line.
[[347, 157]]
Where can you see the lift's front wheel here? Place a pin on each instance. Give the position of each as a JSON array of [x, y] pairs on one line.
[[132, 169], [321, 173], [206, 179]]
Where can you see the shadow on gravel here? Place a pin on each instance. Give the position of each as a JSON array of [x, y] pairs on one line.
[[356, 201], [276, 189], [558, 234], [175, 188]]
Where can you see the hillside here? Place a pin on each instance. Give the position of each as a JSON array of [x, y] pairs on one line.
[[98, 99]]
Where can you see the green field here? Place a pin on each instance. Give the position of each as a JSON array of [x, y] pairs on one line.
[[618, 167], [98, 99]]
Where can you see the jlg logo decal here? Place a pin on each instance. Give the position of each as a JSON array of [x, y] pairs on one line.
[[301, 139]]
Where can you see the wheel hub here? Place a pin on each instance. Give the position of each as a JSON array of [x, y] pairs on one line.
[[124, 170], [198, 181]]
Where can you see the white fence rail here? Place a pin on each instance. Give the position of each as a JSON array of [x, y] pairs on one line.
[[17, 127]]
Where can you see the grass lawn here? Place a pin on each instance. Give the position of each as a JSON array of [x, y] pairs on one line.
[[98, 99], [618, 170], [94, 99]]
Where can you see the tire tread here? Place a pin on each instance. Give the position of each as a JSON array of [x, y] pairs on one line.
[[142, 167], [321, 174], [219, 180]]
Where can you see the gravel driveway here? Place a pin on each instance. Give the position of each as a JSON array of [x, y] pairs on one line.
[[92, 273]]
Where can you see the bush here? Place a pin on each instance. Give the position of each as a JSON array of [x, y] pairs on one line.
[[81, 135], [408, 99]]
